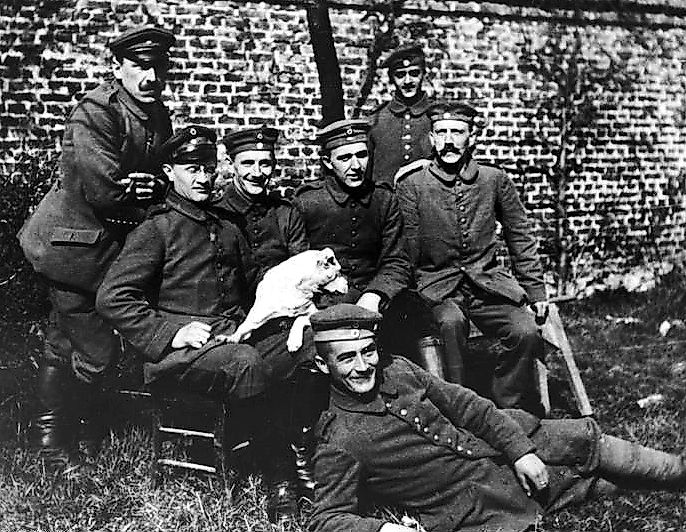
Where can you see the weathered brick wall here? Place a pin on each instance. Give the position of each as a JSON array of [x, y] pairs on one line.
[[245, 63]]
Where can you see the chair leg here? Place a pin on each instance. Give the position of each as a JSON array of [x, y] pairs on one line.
[[156, 444], [218, 443]]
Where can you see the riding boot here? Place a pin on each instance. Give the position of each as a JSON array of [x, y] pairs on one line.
[[431, 358], [89, 404], [633, 466], [55, 422]]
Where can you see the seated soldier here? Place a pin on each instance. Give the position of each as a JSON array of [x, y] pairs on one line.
[[396, 435], [186, 276], [450, 209]]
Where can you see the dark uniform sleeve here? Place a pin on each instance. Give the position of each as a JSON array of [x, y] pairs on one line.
[[393, 270], [407, 199], [122, 296], [338, 476], [520, 240], [466, 409], [92, 151], [295, 233]]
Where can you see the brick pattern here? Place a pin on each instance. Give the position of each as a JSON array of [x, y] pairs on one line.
[[241, 63]]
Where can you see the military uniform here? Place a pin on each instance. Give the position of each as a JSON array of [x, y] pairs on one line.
[[363, 229], [79, 226], [399, 136], [450, 228]]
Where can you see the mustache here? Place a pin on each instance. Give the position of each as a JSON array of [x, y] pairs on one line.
[[149, 86], [449, 148]]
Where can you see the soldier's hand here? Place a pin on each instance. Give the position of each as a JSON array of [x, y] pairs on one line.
[[140, 185], [195, 334], [531, 473], [392, 527], [541, 310], [370, 301]]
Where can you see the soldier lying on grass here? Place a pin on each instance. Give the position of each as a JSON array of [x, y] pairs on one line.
[[396, 435]]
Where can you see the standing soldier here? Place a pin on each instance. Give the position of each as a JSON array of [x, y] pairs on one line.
[[273, 226], [450, 209], [400, 128], [107, 179]]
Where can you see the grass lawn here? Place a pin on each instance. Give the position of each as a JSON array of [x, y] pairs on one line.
[[620, 363]]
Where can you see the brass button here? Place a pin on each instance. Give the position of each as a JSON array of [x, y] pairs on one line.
[[416, 420], [403, 412], [426, 429], [459, 448], [436, 438]]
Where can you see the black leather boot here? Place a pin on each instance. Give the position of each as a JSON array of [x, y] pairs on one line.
[[92, 425], [55, 422], [633, 466]]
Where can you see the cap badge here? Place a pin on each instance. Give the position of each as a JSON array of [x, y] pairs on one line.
[[406, 62], [259, 145], [355, 333], [349, 131], [193, 131], [259, 136], [446, 115]]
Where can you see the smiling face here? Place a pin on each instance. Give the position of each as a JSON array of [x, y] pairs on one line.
[[193, 181], [143, 81], [351, 363], [252, 170], [348, 163], [450, 139], [408, 80]]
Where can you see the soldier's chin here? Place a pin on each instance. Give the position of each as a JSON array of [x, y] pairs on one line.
[[254, 189], [409, 93], [450, 157]]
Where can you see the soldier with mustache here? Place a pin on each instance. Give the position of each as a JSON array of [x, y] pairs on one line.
[[109, 175], [450, 209]]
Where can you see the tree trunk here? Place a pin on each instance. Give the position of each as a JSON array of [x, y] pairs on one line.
[[328, 69]]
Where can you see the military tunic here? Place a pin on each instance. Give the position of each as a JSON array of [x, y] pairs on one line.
[[184, 264], [399, 135], [80, 225], [364, 230], [273, 227], [443, 453]]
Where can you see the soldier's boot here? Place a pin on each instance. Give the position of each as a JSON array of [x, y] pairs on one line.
[[55, 422], [88, 402], [633, 466], [303, 449], [431, 357]]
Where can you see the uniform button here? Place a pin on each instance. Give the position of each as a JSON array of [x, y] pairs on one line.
[[353, 204], [407, 137], [426, 429], [353, 232], [255, 244], [388, 405], [462, 207], [354, 245], [459, 448], [416, 420], [469, 452], [407, 147], [353, 267], [407, 116], [436, 438], [463, 220], [407, 126], [450, 440], [406, 157], [354, 218], [463, 269], [403, 412], [464, 244]]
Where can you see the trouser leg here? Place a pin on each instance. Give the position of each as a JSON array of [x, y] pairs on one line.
[[513, 384], [454, 331], [633, 466]]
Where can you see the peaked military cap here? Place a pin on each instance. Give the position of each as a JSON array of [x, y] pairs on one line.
[[259, 138], [404, 56], [452, 111], [146, 44], [343, 132], [191, 144], [344, 321]]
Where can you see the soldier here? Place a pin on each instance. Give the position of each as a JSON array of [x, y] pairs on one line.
[[450, 209], [273, 226], [400, 128], [182, 282], [108, 177], [397, 436], [356, 217]]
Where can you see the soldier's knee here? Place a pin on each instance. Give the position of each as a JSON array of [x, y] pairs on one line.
[[246, 374], [450, 317], [522, 329]]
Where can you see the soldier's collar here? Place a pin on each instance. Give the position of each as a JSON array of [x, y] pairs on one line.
[[235, 201], [186, 207], [341, 195], [419, 108], [468, 173]]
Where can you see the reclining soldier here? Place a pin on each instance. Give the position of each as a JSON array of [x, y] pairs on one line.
[[184, 277], [407, 439]]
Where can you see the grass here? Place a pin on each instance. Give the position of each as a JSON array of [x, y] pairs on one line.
[[619, 363]]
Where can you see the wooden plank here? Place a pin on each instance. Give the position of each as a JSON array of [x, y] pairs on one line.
[[554, 333], [542, 384]]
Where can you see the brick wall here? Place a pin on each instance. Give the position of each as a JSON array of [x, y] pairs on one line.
[[245, 63]]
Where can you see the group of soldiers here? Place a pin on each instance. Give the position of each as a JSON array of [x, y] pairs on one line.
[[134, 237]]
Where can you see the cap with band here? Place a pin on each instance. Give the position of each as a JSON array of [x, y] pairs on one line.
[[191, 144], [344, 321], [260, 138], [404, 56], [143, 45], [343, 132], [452, 111]]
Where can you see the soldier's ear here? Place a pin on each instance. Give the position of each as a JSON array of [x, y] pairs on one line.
[[116, 68], [321, 364], [168, 171], [432, 139], [326, 161]]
